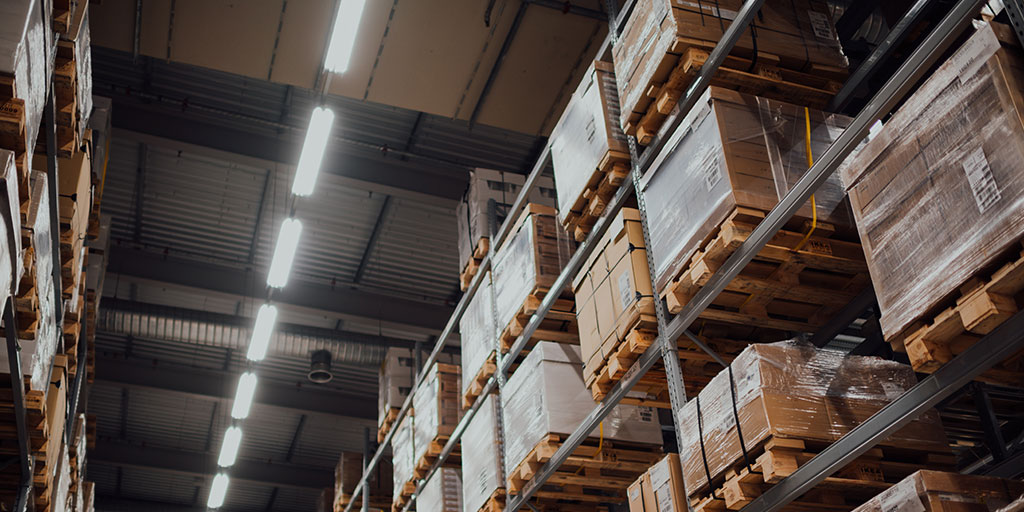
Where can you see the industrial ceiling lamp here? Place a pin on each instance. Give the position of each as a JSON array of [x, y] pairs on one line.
[[261, 332], [312, 156], [284, 253], [243, 396], [320, 367], [218, 491], [343, 36]]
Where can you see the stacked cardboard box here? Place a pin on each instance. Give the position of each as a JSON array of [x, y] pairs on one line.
[[589, 152], [939, 202], [72, 81], [660, 489], [934, 491], [442, 493], [483, 208], [346, 477], [482, 444], [478, 336], [402, 458], [438, 409], [394, 383]]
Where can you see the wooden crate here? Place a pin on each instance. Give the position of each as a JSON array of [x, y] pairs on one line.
[[790, 51]]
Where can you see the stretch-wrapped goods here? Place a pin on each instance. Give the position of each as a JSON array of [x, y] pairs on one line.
[[442, 493], [938, 193], [934, 491], [25, 54], [791, 390], [402, 453], [798, 33], [350, 469], [438, 406], [546, 395], [487, 187], [79, 34], [10, 215], [482, 444], [477, 332], [587, 131], [733, 150]]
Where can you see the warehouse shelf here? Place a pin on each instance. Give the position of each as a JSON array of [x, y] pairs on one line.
[[989, 351]]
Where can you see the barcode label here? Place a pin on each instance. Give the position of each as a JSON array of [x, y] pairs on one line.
[[664, 496], [712, 173], [625, 290], [901, 498], [983, 184], [821, 26]]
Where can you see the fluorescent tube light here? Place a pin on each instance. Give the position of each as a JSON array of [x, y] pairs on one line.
[[320, 123], [243, 396], [284, 253], [343, 35], [261, 332], [229, 447], [218, 490]]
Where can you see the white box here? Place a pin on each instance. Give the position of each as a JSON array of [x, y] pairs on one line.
[[482, 439], [442, 493]]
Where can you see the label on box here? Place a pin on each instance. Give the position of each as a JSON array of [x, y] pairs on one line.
[[892, 390], [974, 54], [901, 498], [625, 290], [983, 184], [712, 173], [645, 414], [660, 474], [664, 497], [634, 493], [821, 26]]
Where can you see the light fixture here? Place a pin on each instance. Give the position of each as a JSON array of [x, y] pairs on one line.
[[312, 156], [243, 396], [343, 35], [218, 490], [229, 447], [261, 332], [284, 253]]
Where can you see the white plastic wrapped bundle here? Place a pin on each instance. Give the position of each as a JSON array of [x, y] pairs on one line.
[[482, 442], [477, 332], [402, 455], [546, 395], [10, 213], [25, 49], [83, 65], [795, 391], [442, 493], [732, 150], [437, 403]]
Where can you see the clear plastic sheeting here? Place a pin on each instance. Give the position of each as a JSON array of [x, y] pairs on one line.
[[934, 491], [83, 65], [482, 444], [477, 332], [26, 36], [438, 405], [546, 395], [10, 214], [442, 493], [795, 391], [588, 129], [402, 452], [938, 193], [733, 150]]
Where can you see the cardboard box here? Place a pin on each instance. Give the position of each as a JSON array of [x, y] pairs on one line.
[[25, 55], [477, 332], [660, 489], [349, 471], [394, 381], [402, 455], [934, 491], [937, 193], [438, 406], [482, 442], [442, 493]]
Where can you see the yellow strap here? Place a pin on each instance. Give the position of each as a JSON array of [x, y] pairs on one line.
[[810, 163]]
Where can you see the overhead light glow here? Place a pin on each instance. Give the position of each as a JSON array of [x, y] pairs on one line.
[[265, 320], [229, 448], [312, 156], [243, 397], [284, 253], [343, 36], [218, 490]]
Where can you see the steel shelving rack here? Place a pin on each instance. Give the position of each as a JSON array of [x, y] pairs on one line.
[[25, 458], [990, 350]]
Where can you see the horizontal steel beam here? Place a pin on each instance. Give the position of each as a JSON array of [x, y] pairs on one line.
[[201, 464], [220, 385], [237, 281]]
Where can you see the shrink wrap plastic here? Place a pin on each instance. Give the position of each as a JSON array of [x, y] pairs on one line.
[[938, 193], [61, 500], [486, 185], [732, 150], [10, 213], [477, 331], [350, 469], [531, 259], [402, 455], [791, 390], [442, 493], [934, 491], [482, 444], [83, 68], [90, 497], [438, 406], [546, 395], [26, 37], [588, 129]]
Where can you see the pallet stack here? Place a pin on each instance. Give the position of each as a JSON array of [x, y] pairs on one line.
[[485, 491], [934, 491], [438, 405], [939, 203], [394, 381], [403, 458], [442, 492], [72, 79], [346, 476], [477, 336]]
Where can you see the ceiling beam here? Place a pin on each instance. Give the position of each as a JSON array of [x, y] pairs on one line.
[[202, 464], [220, 385], [236, 281], [115, 503]]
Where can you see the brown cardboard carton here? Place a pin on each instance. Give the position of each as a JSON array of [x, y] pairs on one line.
[[934, 491], [635, 494]]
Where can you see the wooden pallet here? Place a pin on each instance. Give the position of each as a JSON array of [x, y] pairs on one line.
[[434, 449], [791, 285], [14, 136], [777, 458], [476, 385], [473, 265], [596, 472], [559, 324], [766, 78], [588, 207], [982, 304], [404, 495], [389, 422]]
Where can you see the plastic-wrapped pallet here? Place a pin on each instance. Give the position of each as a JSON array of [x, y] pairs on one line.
[[77, 43], [482, 444], [934, 491], [438, 406], [546, 395], [793, 391], [61, 500], [938, 193], [477, 333], [10, 215], [402, 453], [442, 493], [25, 50], [732, 150]]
